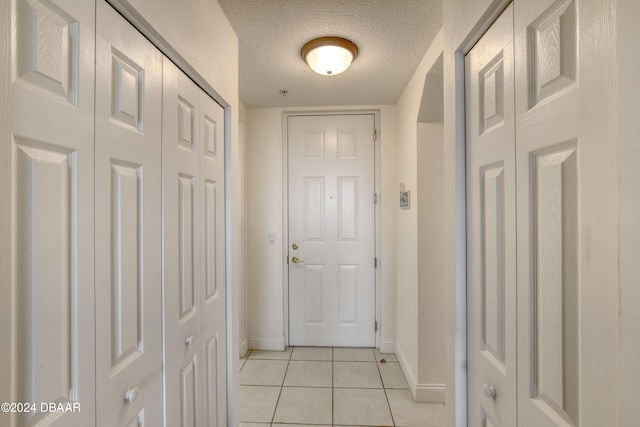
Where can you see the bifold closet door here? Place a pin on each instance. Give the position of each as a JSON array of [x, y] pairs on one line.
[[556, 87], [568, 324], [128, 225], [46, 211], [194, 254], [491, 228]]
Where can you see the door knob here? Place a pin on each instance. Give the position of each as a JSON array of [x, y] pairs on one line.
[[296, 260], [489, 391], [132, 394]]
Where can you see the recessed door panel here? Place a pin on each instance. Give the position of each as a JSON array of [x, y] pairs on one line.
[[126, 235], [314, 191], [555, 293], [493, 255], [44, 180], [189, 394], [127, 90], [186, 245], [211, 212], [348, 199], [212, 382], [553, 48], [48, 54], [347, 294], [314, 283]]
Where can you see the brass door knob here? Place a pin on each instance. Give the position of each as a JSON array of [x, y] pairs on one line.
[[296, 260]]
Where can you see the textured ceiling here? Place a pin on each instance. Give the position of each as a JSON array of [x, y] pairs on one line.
[[392, 37]]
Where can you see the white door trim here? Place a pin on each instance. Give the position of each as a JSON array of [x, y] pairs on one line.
[[285, 210]]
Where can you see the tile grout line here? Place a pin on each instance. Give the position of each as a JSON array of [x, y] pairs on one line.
[[384, 387], [275, 409], [332, 389]]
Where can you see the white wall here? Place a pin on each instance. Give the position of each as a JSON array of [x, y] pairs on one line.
[[628, 14], [197, 36], [407, 278], [266, 324], [265, 266], [242, 295], [431, 308]]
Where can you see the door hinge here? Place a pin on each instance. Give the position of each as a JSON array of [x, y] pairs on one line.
[[375, 198], [375, 327], [375, 262], [375, 135]]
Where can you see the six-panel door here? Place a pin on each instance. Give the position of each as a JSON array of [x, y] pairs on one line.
[[331, 223], [128, 182]]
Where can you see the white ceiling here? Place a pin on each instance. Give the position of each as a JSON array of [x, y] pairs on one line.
[[392, 37]]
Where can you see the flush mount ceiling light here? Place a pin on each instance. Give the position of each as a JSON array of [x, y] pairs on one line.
[[329, 55]]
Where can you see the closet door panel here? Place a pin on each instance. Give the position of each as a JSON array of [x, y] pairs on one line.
[[548, 213], [46, 212], [182, 238], [128, 225], [213, 262], [491, 228], [567, 249]]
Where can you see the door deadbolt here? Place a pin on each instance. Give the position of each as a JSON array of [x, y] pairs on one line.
[[294, 246]]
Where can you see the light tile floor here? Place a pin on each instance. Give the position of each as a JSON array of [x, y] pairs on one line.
[[324, 386]]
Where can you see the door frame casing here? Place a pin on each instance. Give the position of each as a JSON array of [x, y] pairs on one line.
[[285, 208]]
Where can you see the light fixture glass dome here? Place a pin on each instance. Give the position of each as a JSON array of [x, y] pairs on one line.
[[329, 55]]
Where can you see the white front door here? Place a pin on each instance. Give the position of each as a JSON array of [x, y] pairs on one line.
[[331, 230], [128, 232], [491, 228]]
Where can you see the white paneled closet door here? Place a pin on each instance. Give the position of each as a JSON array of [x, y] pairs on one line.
[[194, 254], [491, 228], [568, 347], [46, 210], [128, 224], [563, 302]]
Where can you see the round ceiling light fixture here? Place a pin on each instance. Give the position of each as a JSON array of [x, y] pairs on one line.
[[329, 55]]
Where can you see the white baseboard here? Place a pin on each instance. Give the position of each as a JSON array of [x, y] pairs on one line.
[[267, 344], [244, 347], [387, 346], [430, 393], [409, 375]]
